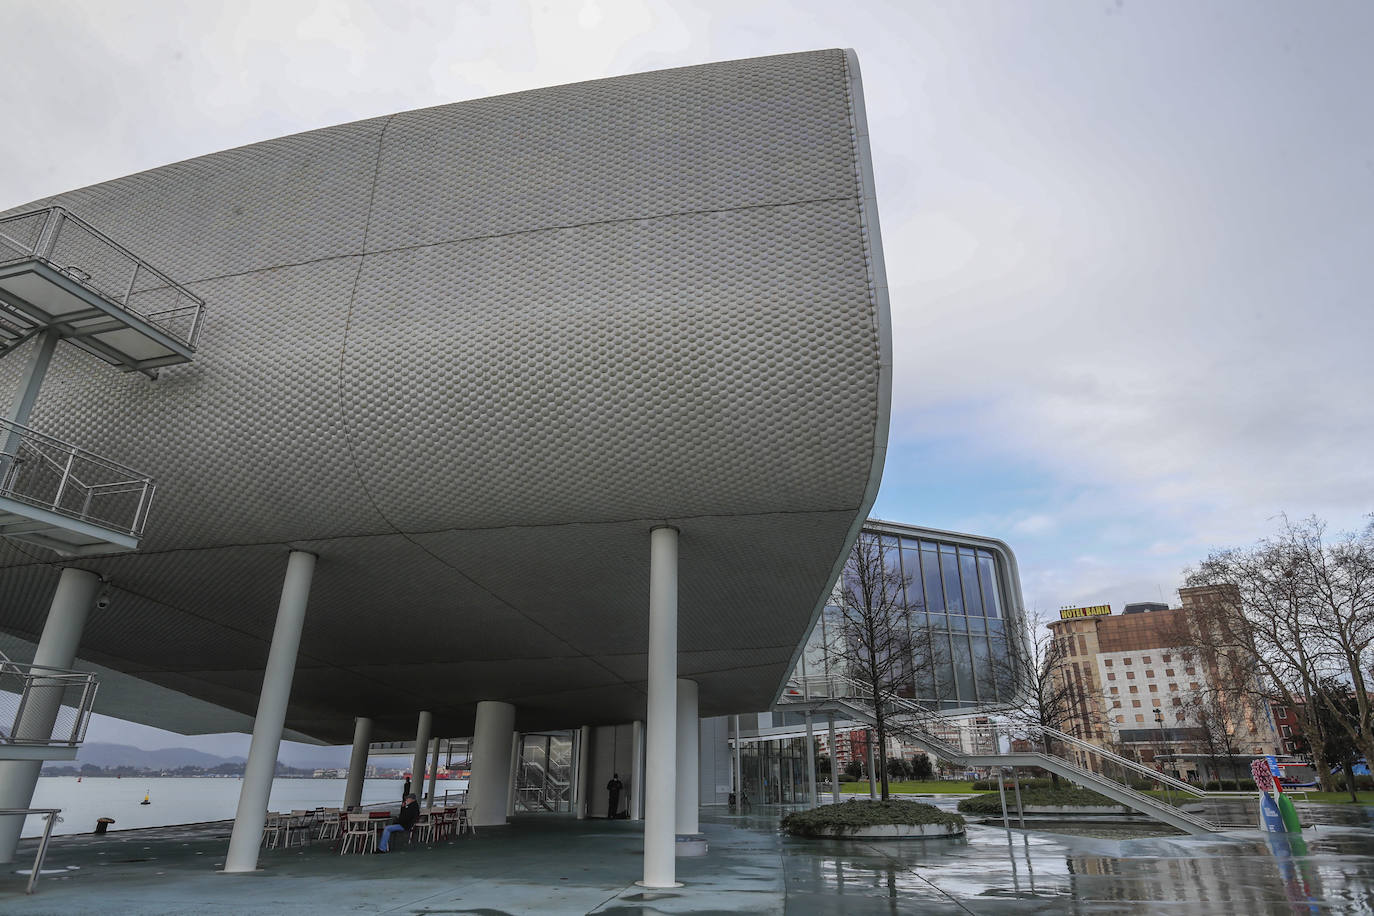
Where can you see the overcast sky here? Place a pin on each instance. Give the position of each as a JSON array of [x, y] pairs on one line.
[[1130, 245]]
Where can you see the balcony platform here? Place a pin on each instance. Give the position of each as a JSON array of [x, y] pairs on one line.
[[58, 272], [66, 499]]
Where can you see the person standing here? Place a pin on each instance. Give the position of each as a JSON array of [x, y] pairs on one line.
[[405, 820], [405, 790], [614, 787]]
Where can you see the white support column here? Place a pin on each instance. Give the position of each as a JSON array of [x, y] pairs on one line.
[[660, 743], [634, 807], [357, 763], [489, 785], [834, 762], [424, 726], [584, 740], [872, 774], [433, 768], [811, 761], [513, 782], [256, 792], [739, 767], [688, 759], [71, 603]]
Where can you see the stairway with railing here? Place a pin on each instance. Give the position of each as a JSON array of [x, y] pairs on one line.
[[544, 775], [1007, 743]]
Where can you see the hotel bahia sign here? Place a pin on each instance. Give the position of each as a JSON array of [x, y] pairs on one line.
[[1097, 610]]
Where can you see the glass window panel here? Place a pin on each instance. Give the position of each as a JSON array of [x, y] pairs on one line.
[[983, 670], [963, 671], [944, 674], [991, 592], [911, 568], [938, 622], [996, 627], [1002, 672], [930, 570], [948, 548], [958, 622], [968, 572], [954, 598]]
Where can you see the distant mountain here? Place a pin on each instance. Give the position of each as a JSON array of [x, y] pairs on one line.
[[126, 755]]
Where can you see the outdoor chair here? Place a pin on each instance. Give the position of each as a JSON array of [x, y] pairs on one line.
[[465, 818], [329, 824], [360, 829], [271, 830]]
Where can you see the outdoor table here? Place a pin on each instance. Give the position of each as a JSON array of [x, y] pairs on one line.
[[379, 821]]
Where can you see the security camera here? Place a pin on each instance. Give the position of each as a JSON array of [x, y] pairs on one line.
[[104, 600]]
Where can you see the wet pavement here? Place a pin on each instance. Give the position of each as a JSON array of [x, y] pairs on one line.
[[555, 864]]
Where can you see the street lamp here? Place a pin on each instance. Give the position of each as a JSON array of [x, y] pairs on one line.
[[1159, 720]]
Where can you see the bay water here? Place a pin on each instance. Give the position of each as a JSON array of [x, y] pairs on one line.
[[188, 800]]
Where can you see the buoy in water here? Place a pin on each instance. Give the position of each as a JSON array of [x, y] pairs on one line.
[[145, 799]]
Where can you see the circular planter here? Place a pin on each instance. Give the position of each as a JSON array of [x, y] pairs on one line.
[[894, 832]]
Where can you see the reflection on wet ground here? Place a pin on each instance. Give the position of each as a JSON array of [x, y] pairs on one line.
[[555, 864], [1330, 869]]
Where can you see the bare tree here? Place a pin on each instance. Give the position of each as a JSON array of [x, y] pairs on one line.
[[872, 637], [1215, 720], [1052, 691], [1284, 615]]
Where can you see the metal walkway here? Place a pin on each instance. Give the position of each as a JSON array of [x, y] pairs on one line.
[[992, 744]]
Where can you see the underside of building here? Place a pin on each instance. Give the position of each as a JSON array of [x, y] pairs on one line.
[[446, 372]]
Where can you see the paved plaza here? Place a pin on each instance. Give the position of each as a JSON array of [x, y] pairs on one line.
[[554, 864]]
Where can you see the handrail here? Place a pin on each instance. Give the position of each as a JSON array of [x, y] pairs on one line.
[[60, 681], [52, 817], [1087, 747], [929, 724]]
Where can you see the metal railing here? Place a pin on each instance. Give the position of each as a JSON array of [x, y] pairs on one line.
[[42, 706], [1008, 742], [50, 474], [94, 260], [51, 815]]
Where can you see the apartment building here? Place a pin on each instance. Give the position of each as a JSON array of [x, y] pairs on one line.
[[1133, 684]]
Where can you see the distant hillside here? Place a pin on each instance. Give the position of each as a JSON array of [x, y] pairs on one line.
[[126, 755]]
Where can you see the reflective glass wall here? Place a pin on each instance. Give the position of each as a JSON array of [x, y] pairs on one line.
[[959, 614]]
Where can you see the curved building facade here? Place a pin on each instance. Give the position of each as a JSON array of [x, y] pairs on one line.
[[468, 357]]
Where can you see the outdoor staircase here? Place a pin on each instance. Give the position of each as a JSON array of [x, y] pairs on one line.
[[990, 744]]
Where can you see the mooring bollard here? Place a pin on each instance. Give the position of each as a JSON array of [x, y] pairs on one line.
[[102, 825]]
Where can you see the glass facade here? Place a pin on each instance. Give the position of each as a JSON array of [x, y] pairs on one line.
[[955, 602], [775, 771]]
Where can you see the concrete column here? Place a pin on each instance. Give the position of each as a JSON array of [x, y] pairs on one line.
[[739, 767], [267, 724], [584, 740], [872, 774], [834, 762], [688, 759], [357, 762], [513, 782], [811, 762], [634, 807], [433, 768], [424, 726], [489, 784], [660, 742], [71, 603]]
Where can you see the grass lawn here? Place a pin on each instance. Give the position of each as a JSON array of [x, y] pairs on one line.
[[937, 787]]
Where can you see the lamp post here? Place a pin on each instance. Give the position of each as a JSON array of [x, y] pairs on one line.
[[1159, 720]]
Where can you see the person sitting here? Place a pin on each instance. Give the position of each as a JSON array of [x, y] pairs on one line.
[[405, 820]]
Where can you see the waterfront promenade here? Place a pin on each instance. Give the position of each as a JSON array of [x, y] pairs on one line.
[[554, 864]]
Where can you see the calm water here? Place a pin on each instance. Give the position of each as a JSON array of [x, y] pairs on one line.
[[186, 800]]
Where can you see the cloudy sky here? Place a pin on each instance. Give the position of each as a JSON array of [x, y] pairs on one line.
[[1130, 245]]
